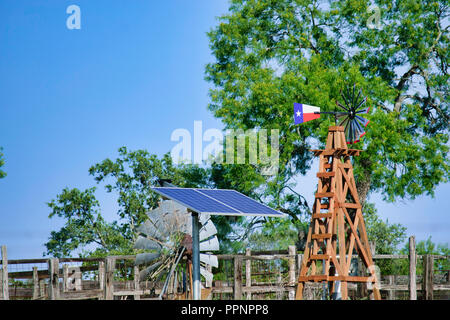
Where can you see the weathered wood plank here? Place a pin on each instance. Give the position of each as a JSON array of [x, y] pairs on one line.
[[5, 279], [82, 295], [110, 265], [237, 286], [412, 269], [428, 264], [53, 272], [248, 273], [137, 296], [291, 264], [43, 274], [35, 283]]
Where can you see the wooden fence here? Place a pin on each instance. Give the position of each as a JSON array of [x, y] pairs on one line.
[[60, 279]]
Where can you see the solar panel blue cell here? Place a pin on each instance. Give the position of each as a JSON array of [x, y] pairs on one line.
[[195, 200], [240, 202]]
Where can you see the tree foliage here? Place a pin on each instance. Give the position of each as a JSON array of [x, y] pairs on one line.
[[269, 54], [272, 53], [85, 229], [2, 163]]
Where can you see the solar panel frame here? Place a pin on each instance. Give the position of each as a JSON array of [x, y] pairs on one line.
[[268, 212]]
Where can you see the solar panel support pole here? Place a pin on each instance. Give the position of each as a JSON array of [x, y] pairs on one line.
[[196, 257]]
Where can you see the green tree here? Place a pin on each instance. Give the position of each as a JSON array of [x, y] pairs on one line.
[[84, 227], [2, 163], [272, 53], [130, 177]]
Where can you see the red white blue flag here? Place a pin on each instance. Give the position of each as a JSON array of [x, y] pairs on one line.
[[304, 113]]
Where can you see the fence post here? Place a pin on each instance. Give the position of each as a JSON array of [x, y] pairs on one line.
[[101, 274], [248, 273], [412, 269], [137, 296], [237, 286], [110, 265], [391, 291], [65, 277], [291, 289], [35, 283], [42, 288], [5, 281], [53, 270], [279, 293], [428, 264]]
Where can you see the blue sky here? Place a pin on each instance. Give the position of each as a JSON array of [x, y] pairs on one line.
[[130, 76]]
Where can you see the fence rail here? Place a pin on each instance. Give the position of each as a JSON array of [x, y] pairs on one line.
[[272, 274]]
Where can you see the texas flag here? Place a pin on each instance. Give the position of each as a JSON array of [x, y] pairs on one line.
[[304, 113]]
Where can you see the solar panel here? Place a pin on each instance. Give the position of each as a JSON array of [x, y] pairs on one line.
[[217, 202], [194, 200], [239, 201]]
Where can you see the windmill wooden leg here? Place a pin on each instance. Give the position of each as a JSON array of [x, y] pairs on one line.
[[299, 293], [301, 283], [376, 294], [344, 290]]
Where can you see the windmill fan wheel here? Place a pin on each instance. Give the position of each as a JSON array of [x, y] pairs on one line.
[[166, 241]]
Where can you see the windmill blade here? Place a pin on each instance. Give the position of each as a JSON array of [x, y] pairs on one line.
[[345, 101], [176, 216], [146, 244], [209, 259], [346, 127], [353, 95], [203, 218], [359, 129], [341, 118], [362, 121], [206, 274], [143, 274], [169, 218], [341, 106], [357, 97], [160, 221], [344, 122], [351, 132], [361, 103], [210, 245], [149, 229], [144, 258], [365, 110], [355, 132], [207, 230]]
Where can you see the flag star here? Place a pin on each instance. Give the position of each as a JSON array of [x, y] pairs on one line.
[[298, 114]]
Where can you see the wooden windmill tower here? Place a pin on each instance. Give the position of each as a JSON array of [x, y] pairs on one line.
[[337, 226]]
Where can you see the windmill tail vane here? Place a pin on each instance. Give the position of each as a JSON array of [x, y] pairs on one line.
[[350, 117]]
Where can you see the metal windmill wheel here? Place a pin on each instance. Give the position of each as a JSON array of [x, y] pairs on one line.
[[351, 119], [167, 238]]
